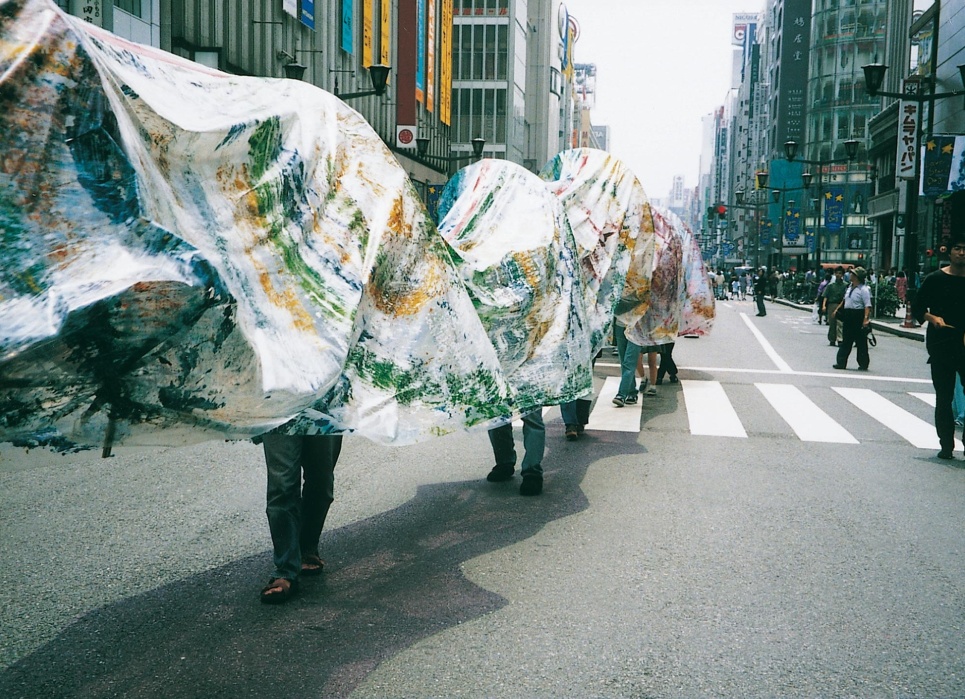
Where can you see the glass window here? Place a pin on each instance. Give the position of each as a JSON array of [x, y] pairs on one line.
[[502, 51], [130, 6]]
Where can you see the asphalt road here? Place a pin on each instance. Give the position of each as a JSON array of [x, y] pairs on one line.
[[657, 563]]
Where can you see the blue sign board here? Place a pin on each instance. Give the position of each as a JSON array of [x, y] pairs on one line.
[[307, 15], [347, 43], [834, 208], [792, 224]]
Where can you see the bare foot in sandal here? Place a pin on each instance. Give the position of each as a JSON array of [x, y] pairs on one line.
[[312, 565], [277, 591]]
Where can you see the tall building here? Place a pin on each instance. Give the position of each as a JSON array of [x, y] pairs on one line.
[[135, 20]]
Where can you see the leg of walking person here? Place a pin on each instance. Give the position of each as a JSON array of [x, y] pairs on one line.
[[850, 324], [861, 349], [319, 456], [943, 380], [283, 456], [504, 452], [627, 392], [534, 446]]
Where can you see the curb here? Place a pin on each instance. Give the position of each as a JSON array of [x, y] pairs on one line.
[[889, 328]]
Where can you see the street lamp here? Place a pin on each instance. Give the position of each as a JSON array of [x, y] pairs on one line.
[[790, 153], [379, 74], [422, 149], [874, 76]]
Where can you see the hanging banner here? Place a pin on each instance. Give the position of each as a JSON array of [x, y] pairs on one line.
[[937, 174], [431, 56], [792, 224], [368, 32], [420, 56], [908, 116], [290, 7], [445, 65], [834, 208], [348, 46], [307, 15], [385, 38]]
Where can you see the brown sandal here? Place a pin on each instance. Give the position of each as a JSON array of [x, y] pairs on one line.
[[284, 591], [312, 565]]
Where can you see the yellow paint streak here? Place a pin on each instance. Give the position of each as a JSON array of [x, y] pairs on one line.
[[287, 299]]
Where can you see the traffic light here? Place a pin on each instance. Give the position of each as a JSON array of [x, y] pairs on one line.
[[721, 210]]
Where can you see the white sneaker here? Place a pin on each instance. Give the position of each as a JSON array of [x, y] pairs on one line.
[[651, 391]]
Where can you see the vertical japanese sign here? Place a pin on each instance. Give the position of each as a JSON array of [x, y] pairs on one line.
[[834, 208], [431, 55], [796, 40], [290, 7], [420, 56], [348, 46], [445, 65], [906, 162], [385, 38], [307, 15], [90, 11], [368, 32]]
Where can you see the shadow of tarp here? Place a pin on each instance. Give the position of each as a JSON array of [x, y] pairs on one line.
[[391, 581]]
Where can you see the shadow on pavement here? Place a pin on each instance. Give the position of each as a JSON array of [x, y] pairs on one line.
[[391, 581]]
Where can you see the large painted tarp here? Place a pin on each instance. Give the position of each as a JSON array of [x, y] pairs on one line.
[[520, 263], [190, 254], [609, 215]]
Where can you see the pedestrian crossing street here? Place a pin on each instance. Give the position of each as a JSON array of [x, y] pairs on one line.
[[711, 412]]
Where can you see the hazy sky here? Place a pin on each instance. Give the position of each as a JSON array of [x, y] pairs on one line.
[[661, 66]]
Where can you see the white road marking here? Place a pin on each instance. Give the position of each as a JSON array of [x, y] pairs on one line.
[[924, 397], [607, 417], [913, 429], [809, 422], [709, 410], [782, 366]]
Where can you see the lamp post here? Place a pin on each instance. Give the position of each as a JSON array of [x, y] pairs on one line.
[[422, 149], [874, 76], [790, 153], [379, 74]]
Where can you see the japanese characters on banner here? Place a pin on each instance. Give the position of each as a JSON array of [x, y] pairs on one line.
[[420, 56], [307, 15], [368, 32], [90, 11], [445, 65], [431, 55], [385, 38], [908, 115], [348, 45]]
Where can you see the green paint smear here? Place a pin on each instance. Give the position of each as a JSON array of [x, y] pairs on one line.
[[478, 389]]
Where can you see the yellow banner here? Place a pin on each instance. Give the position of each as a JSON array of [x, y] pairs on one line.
[[445, 65], [385, 40], [368, 32]]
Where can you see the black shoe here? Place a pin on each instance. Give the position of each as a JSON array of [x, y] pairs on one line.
[[531, 485], [572, 433], [946, 454], [761, 315], [660, 382], [833, 344], [674, 379], [862, 368], [839, 366], [500, 474], [630, 400]]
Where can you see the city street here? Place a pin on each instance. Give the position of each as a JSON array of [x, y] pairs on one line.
[[766, 527]]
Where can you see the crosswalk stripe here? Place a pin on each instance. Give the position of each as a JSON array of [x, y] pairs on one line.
[[609, 418], [928, 398], [913, 429], [709, 411], [809, 422]]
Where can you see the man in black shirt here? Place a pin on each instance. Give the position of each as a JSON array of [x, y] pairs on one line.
[[941, 301]]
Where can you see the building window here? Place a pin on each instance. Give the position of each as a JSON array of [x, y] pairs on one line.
[[130, 6]]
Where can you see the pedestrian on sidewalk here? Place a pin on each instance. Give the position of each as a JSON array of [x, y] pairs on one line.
[[833, 295], [819, 299], [941, 301], [855, 317], [301, 481], [901, 288]]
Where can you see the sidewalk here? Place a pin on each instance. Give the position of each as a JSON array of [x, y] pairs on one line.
[[892, 325]]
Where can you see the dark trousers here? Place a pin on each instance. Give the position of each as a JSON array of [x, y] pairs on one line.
[[667, 364], [760, 303], [943, 379], [301, 483], [852, 335]]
